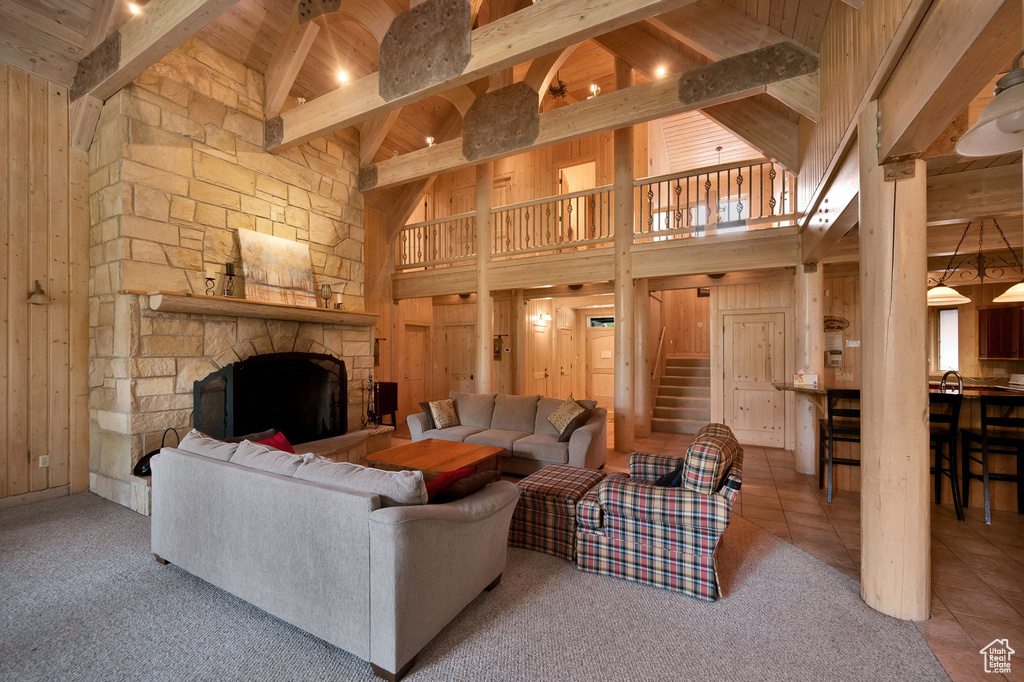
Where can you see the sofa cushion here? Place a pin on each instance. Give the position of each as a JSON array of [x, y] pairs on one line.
[[474, 409], [442, 481], [498, 438], [453, 433], [256, 456], [515, 412], [541, 425], [395, 488], [443, 413], [198, 444], [465, 487], [714, 430], [542, 447], [707, 462]]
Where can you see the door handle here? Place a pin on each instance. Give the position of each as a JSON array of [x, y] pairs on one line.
[[471, 377], [545, 374]]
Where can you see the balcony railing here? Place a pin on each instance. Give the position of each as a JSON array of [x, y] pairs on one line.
[[721, 199], [437, 243], [567, 221], [728, 198]]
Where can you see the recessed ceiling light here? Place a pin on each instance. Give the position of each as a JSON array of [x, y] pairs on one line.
[[660, 71], [342, 76], [133, 8]]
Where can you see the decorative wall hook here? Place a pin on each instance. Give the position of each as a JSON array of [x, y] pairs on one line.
[[37, 296]]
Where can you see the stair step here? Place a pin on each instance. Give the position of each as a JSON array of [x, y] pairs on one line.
[[692, 403], [688, 362], [676, 425], [685, 391], [688, 372], [685, 381], [701, 414]]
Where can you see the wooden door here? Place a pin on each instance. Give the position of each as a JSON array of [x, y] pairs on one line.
[[539, 371], [754, 357], [565, 361], [412, 390], [458, 345], [601, 366]]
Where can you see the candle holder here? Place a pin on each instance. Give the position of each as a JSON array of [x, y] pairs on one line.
[[326, 293], [229, 284], [211, 286]]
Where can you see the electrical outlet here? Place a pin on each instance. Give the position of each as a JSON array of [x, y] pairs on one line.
[[44, 461]]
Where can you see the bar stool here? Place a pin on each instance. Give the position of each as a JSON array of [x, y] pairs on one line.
[[842, 425], [1000, 415], [944, 415]]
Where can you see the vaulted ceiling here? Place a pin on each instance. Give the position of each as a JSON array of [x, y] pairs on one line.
[[48, 37]]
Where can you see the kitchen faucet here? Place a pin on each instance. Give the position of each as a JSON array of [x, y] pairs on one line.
[[959, 381]]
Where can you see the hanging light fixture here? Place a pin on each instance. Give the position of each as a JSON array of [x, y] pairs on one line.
[[944, 295], [1000, 128]]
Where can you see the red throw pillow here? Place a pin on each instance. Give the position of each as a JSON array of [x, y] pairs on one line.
[[278, 442], [446, 479]]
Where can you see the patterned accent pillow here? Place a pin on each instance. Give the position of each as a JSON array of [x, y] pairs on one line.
[[430, 416], [707, 462], [566, 418], [444, 414]]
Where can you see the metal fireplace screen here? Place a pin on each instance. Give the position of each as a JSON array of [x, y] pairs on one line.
[[303, 395]]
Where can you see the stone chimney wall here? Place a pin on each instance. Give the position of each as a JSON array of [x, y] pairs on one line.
[[177, 167]]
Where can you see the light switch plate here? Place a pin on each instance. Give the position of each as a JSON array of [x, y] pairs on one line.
[[44, 461]]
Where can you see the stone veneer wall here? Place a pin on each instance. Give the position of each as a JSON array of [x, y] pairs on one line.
[[177, 167]]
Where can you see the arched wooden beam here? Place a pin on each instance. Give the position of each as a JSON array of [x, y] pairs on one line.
[[375, 16], [543, 69], [461, 98]]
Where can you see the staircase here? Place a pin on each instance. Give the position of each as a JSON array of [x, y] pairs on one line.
[[683, 404]]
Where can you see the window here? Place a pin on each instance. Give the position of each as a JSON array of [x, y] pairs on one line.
[[949, 340], [601, 321]]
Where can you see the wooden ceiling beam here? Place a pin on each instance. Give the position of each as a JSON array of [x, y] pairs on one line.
[[930, 87], [538, 29], [84, 112], [142, 41], [765, 130], [372, 134], [727, 80], [286, 62], [718, 31]]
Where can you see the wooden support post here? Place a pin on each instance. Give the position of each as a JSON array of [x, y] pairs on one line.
[[642, 376], [484, 299], [810, 336], [519, 332], [624, 408], [895, 517]]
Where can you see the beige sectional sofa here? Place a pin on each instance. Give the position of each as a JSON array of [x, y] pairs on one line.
[[377, 581], [519, 424]]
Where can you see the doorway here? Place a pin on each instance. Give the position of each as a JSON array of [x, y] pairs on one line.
[[412, 390], [576, 213], [600, 360], [460, 354]]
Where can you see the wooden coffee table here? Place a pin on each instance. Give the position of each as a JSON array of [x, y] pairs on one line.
[[434, 457]]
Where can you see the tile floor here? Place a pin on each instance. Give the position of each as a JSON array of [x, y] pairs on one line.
[[977, 570]]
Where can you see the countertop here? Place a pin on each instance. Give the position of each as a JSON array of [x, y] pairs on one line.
[[973, 388]]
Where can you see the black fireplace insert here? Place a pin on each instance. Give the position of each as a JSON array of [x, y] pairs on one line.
[[303, 395]]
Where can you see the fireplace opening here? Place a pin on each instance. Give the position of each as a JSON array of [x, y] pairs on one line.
[[303, 395]]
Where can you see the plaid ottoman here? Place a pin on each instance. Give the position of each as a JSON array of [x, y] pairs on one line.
[[545, 517]]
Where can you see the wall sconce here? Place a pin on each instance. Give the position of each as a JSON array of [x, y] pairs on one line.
[[595, 90], [37, 296], [660, 72], [342, 76], [430, 141], [133, 8]]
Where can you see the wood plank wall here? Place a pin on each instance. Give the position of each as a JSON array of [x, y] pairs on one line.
[[687, 324], [43, 236], [852, 47]]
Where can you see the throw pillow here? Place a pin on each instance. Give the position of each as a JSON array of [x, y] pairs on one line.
[[466, 486], [444, 413], [278, 442], [446, 479], [672, 479], [253, 437], [569, 416], [430, 416]]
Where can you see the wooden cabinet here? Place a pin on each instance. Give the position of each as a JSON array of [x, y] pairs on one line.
[[1001, 333]]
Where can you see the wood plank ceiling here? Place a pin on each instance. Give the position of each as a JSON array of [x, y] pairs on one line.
[[46, 37]]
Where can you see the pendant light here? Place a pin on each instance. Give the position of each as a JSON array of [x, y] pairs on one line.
[[1014, 294], [945, 296]]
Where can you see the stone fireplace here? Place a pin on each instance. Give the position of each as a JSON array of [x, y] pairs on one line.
[[177, 168]]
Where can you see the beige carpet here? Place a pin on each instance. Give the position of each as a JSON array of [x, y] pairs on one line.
[[82, 599]]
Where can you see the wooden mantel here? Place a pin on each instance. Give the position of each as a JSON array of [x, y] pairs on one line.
[[176, 302]]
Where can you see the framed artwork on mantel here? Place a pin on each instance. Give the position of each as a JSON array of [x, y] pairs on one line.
[[276, 270]]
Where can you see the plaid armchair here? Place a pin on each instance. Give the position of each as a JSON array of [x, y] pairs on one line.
[[630, 528]]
